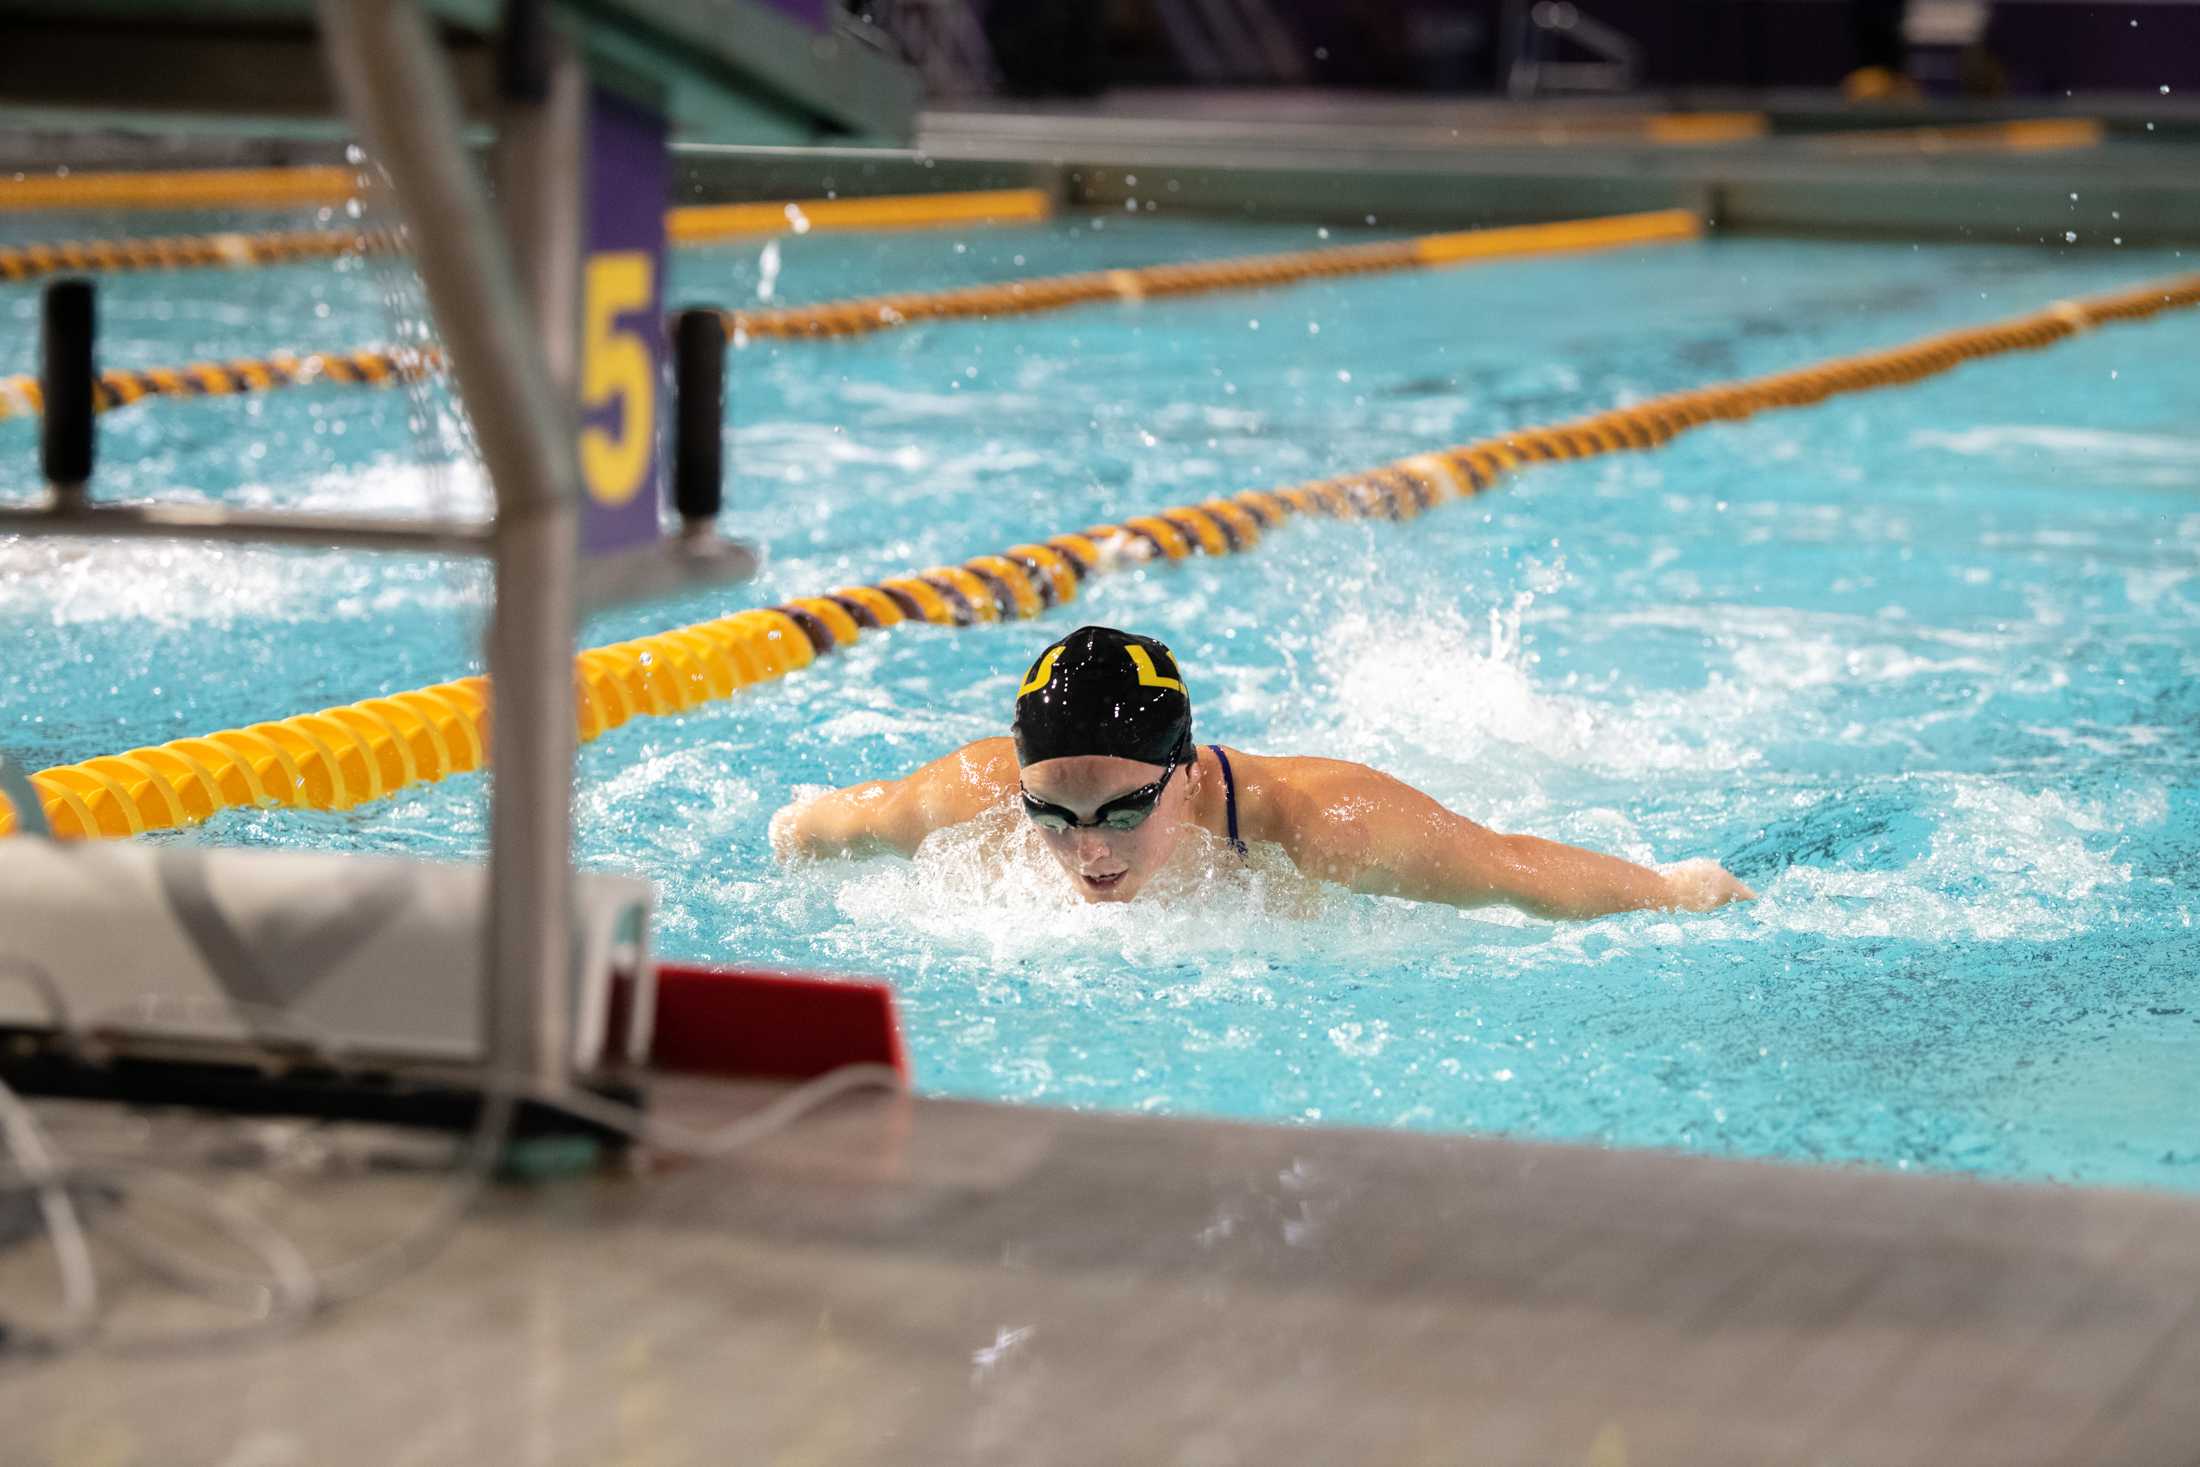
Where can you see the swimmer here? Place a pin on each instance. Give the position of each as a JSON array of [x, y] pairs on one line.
[[1100, 760]]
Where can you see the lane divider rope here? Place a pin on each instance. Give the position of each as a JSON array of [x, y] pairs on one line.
[[182, 188], [191, 251], [2025, 135], [20, 396], [1054, 292], [340, 757], [372, 367], [695, 224]]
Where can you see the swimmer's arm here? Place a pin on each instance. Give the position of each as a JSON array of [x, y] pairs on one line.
[[884, 816], [1361, 828]]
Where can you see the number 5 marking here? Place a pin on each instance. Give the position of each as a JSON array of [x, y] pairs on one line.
[[617, 369]]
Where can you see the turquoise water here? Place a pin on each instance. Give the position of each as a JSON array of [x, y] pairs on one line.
[[1922, 665]]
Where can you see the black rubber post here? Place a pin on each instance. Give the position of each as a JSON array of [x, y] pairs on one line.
[[65, 379], [699, 388], [523, 52]]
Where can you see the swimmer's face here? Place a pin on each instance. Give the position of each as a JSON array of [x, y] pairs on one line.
[[1107, 865]]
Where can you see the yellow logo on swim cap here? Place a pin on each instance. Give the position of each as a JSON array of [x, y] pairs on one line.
[[1043, 670], [1148, 675]]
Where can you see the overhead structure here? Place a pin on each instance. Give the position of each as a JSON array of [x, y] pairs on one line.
[[549, 305], [755, 72]]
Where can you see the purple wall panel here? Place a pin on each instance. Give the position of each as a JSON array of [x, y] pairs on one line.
[[623, 335]]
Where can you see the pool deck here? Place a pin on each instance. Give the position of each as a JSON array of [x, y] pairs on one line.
[[923, 1281]]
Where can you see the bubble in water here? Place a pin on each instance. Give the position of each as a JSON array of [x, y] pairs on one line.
[[767, 269]]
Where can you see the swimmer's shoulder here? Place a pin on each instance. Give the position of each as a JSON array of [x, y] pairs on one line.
[[1277, 792], [964, 784]]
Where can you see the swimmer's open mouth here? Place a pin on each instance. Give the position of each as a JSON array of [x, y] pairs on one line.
[[1103, 883]]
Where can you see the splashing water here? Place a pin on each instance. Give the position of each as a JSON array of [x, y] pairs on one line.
[[767, 269], [1878, 657]]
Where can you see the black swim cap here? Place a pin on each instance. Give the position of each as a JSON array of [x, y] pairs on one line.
[[1101, 691]]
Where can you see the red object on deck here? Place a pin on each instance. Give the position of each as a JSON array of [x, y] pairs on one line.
[[742, 1021]]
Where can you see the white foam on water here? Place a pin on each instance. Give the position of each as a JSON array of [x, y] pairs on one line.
[[1209, 926], [674, 816], [767, 270], [2001, 864], [2147, 460], [177, 583], [1441, 694]]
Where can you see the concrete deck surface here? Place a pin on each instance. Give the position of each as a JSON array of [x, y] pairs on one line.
[[919, 1281]]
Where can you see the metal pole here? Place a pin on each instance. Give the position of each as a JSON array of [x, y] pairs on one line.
[[217, 525], [398, 93], [539, 160]]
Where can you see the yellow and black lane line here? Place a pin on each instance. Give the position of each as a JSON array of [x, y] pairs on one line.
[[119, 387], [1048, 293], [340, 757]]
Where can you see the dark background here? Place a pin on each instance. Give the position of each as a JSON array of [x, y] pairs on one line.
[[2030, 47]]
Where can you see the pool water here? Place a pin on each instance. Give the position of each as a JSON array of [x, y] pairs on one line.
[[1922, 665]]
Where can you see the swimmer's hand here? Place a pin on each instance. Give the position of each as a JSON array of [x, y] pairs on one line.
[[1700, 885], [785, 844]]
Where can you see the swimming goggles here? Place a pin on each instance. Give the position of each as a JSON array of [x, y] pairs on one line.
[[1124, 812]]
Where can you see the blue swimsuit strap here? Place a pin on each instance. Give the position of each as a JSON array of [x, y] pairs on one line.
[[1229, 798]]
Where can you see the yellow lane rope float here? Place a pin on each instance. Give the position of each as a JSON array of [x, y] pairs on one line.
[[19, 396], [340, 757], [1689, 129], [187, 188], [704, 223], [1662, 129], [1053, 292], [2032, 135], [693, 224]]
